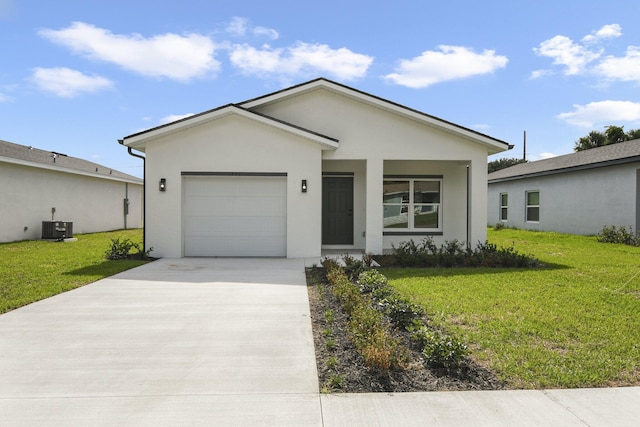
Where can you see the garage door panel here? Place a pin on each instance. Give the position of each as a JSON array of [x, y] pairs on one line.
[[233, 246], [227, 226], [234, 216], [240, 206]]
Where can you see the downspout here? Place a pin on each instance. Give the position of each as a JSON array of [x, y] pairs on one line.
[[144, 193], [468, 208]]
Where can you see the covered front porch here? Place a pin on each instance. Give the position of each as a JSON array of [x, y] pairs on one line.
[[370, 205]]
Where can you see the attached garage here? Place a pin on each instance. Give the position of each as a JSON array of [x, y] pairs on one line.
[[235, 215]]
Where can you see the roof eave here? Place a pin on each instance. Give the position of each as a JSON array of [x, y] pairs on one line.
[[615, 162], [139, 140]]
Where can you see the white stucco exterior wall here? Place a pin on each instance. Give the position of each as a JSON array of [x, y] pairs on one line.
[[233, 144], [92, 203], [379, 138], [580, 202]]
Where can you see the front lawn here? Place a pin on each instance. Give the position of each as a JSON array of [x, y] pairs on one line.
[[36, 269], [575, 323]]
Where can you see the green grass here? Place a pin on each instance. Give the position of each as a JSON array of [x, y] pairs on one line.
[[37, 269], [575, 323]]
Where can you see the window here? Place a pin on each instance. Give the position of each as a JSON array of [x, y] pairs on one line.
[[412, 204], [504, 206], [533, 206]]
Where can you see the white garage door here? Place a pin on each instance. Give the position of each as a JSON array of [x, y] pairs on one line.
[[235, 216]]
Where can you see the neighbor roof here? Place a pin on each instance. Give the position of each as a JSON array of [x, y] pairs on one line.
[[621, 153], [30, 156]]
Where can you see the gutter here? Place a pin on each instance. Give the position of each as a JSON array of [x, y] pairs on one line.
[[144, 193]]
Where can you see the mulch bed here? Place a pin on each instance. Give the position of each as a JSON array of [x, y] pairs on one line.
[[352, 376]]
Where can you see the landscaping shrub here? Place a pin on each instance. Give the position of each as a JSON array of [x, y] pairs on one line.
[[400, 311], [613, 234], [440, 349], [455, 254], [367, 327], [121, 249]]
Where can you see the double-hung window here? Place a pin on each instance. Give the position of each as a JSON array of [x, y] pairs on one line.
[[533, 206], [504, 206], [412, 204]]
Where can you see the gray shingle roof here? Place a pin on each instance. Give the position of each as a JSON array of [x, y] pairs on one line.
[[59, 160], [624, 152]]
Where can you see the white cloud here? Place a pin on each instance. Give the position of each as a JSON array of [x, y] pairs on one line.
[[540, 73], [602, 112], [5, 98], [449, 63], [626, 68], [238, 26], [564, 51], [606, 32], [180, 57], [266, 32], [301, 58], [577, 57], [68, 83], [543, 156], [174, 118]]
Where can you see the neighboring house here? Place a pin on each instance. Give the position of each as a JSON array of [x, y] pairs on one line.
[[34, 183], [315, 166], [577, 193]]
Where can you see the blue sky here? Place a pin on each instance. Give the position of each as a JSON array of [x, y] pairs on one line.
[[76, 76]]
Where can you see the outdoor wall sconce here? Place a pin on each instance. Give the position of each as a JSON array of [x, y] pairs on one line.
[[163, 184], [304, 185]]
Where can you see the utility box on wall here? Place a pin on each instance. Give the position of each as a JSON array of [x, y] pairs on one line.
[[57, 229]]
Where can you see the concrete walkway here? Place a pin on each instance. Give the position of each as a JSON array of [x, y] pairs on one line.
[[225, 342]]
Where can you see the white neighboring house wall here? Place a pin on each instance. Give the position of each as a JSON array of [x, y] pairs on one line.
[[577, 202], [93, 203]]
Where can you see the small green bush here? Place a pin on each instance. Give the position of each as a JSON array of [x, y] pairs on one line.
[[440, 349], [121, 249], [400, 311], [371, 280], [613, 234], [455, 254]]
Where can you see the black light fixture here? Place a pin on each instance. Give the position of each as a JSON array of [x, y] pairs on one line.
[[304, 185], [163, 184]]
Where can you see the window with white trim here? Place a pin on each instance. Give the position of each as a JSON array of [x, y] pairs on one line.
[[504, 206], [532, 211], [412, 204]]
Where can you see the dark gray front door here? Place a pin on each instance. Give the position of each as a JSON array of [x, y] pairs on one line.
[[337, 210]]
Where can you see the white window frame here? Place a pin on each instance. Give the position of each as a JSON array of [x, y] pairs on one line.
[[527, 206], [503, 207], [412, 205]]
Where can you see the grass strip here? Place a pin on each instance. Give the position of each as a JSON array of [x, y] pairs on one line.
[[36, 269]]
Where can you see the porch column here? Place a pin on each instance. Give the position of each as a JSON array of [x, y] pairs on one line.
[[374, 211], [478, 202]]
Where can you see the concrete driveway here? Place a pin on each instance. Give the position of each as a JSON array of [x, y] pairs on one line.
[[226, 342], [174, 342]]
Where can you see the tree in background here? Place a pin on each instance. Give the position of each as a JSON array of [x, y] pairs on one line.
[[496, 165], [611, 135]]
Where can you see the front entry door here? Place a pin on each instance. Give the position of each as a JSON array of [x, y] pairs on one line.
[[337, 210]]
